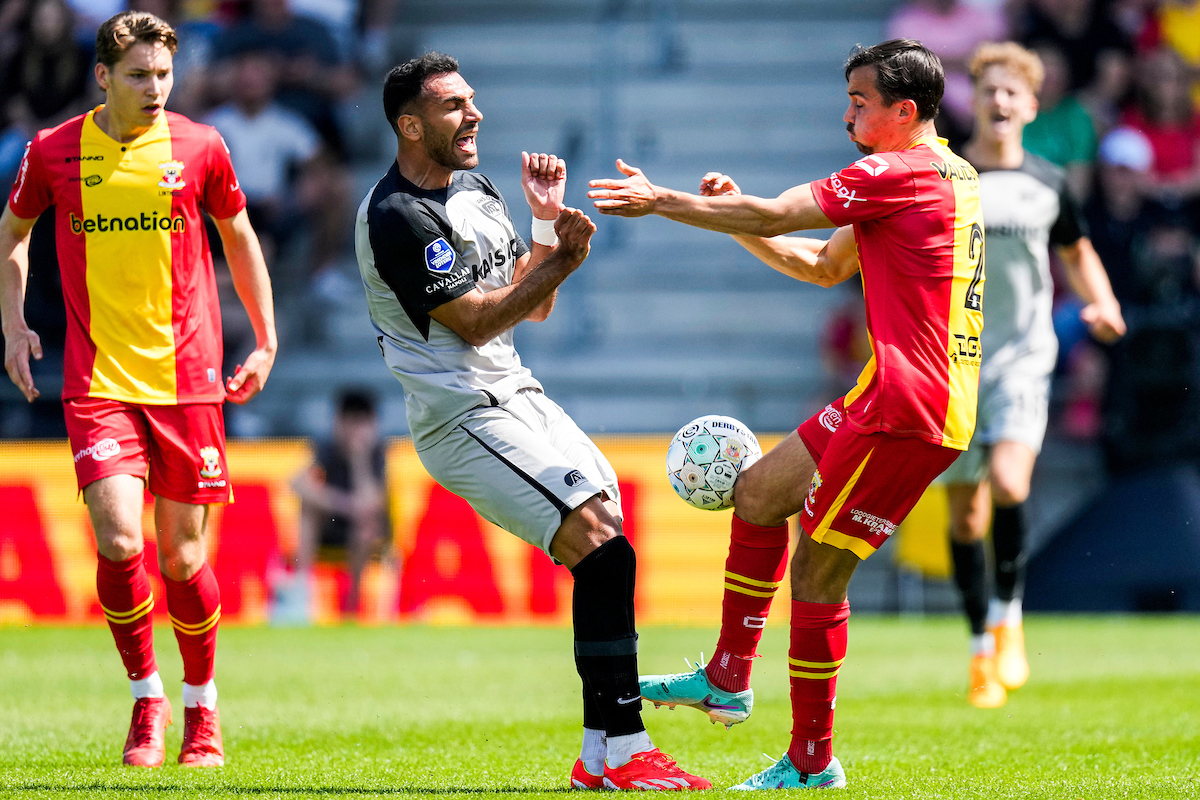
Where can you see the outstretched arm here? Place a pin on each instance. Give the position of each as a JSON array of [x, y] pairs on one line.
[[634, 196], [253, 286], [479, 317], [810, 260], [1087, 277], [20, 343]]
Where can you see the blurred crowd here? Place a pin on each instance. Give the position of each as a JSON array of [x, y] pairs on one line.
[[1120, 112]]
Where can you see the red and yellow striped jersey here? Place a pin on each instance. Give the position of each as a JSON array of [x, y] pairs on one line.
[[144, 323], [919, 232]]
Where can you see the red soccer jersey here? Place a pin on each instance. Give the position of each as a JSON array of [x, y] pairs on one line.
[[144, 322], [919, 232]]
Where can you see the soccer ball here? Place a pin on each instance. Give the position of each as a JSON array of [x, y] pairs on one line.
[[705, 457]]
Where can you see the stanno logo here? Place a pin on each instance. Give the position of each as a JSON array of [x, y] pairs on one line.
[[142, 222], [102, 450], [73, 159], [172, 175], [873, 165]]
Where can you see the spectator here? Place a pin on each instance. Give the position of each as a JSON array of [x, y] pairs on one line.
[[286, 172], [951, 29], [48, 78], [1177, 25], [1080, 29], [343, 493], [1063, 132], [313, 76], [1164, 113], [1118, 211]]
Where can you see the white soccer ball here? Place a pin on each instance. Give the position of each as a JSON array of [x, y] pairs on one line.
[[705, 457]]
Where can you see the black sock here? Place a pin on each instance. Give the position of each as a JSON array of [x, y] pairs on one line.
[[605, 636], [1008, 543], [970, 573]]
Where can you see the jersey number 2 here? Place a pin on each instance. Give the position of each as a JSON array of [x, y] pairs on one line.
[[975, 253]]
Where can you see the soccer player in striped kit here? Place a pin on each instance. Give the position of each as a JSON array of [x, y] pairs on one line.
[[908, 220], [142, 387]]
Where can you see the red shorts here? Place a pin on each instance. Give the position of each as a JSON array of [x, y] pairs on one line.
[[182, 446], [865, 484]]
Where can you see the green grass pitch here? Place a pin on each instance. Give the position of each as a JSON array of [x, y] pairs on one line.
[[1112, 711]]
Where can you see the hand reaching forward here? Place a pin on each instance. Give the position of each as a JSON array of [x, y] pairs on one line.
[[574, 231], [714, 184], [544, 179], [634, 196]]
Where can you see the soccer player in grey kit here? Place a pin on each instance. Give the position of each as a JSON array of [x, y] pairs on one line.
[[447, 279], [1026, 209]]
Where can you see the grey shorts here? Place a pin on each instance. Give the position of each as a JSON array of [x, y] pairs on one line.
[[523, 465], [1011, 410]]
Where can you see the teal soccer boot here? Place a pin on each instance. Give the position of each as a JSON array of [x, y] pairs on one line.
[[784, 775], [695, 690]]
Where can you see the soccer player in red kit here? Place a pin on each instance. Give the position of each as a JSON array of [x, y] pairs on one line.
[[142, 387], [908, 218]]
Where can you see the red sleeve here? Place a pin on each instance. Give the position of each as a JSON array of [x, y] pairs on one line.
[[31, 193], [223, 195], [870, 188]]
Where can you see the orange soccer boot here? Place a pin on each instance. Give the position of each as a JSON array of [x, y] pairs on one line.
[[145, 746], [652, 770], [1012, 668], [986, 691], [202, 745]]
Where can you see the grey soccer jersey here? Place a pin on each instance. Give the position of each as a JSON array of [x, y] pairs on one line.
[[1025, 210], [417, 249]]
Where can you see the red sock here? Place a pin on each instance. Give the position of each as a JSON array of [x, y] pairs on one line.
[[125, 596], [194, 606], [755, 566], [817, 652]]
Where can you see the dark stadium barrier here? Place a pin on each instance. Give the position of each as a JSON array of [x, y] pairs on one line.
[[1135, 548]]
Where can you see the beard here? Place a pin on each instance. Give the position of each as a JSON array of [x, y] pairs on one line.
[[443, 152]]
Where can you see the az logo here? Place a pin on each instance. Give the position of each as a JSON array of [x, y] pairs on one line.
[[873, 165]]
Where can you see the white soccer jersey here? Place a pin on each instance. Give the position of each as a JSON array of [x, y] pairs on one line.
[[417, 249], [1025, 210]]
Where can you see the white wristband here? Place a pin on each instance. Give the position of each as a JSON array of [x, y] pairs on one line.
[[543, 232]]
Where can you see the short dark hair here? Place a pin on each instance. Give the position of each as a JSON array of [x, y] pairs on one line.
[[123, 31], [356, 402], [406, 82], [905, 70]]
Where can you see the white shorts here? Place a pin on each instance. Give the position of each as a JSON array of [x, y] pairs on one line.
[[1010, 410], [523, 465]]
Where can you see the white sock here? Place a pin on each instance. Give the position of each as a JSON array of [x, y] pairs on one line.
[[983, 645], [149, 686], [623, 748], [595, 748], [1001, 612], [203, 695]]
